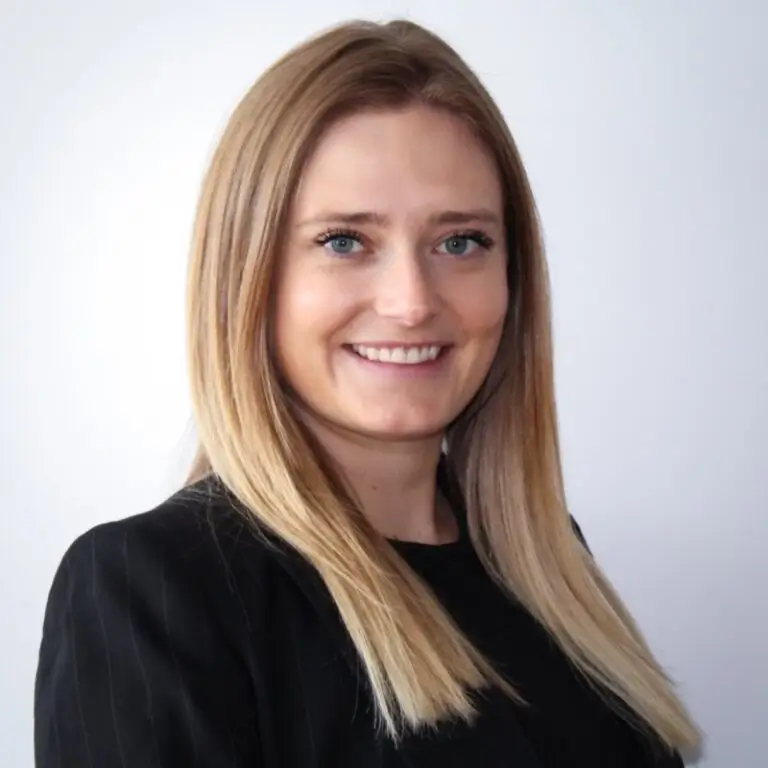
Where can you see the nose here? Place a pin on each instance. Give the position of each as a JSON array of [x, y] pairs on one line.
[[406, 289]]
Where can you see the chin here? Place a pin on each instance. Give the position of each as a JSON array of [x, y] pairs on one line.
[[400, 429]]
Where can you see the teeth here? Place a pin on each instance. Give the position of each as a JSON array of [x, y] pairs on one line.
[[398, 355]]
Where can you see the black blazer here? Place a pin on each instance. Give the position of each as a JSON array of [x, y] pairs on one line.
[[178, 638]]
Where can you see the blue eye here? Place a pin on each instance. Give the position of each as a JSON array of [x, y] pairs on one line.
[[465, 244], [343, 245], [459, 246], [340, 243]]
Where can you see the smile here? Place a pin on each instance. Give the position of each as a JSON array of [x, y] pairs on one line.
[[405, 355]]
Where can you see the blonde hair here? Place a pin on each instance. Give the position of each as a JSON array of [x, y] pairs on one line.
[[503, 449]]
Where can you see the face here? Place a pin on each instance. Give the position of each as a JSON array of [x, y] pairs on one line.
[[392, 290]]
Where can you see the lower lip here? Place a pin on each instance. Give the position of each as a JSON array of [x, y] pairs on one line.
[[428, 367]]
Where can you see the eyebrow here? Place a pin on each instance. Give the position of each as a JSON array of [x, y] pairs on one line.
[[371, 217]]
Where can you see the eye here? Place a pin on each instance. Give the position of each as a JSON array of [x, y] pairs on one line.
[[341, 243], [459, 246], [465, 243]]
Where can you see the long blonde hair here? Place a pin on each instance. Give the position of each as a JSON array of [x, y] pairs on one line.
[[503, 449]]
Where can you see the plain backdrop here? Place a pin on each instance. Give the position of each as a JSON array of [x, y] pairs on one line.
[[644, 126]]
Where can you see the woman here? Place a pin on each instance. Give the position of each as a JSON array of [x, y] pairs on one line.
[[372, 563]]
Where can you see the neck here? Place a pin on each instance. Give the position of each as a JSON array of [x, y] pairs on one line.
[[394, 482]]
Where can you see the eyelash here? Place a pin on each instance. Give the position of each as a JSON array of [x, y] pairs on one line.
[[475, 235], [333, 234]]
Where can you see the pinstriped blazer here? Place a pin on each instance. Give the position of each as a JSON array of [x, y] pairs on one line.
[[178, 638]]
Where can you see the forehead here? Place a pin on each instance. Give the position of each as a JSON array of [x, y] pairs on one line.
[[399, 161]]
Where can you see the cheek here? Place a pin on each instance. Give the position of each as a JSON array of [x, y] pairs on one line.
[[483, 308], [309, 308], [299, 319], [293, 310]]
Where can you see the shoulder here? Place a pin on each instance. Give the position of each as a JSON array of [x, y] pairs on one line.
[[197, 524], [151, 612], [191, 549]]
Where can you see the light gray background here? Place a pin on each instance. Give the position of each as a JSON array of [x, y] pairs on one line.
[[645, 129]]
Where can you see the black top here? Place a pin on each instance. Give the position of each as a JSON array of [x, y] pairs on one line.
[[179, 638], [566, 722]]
